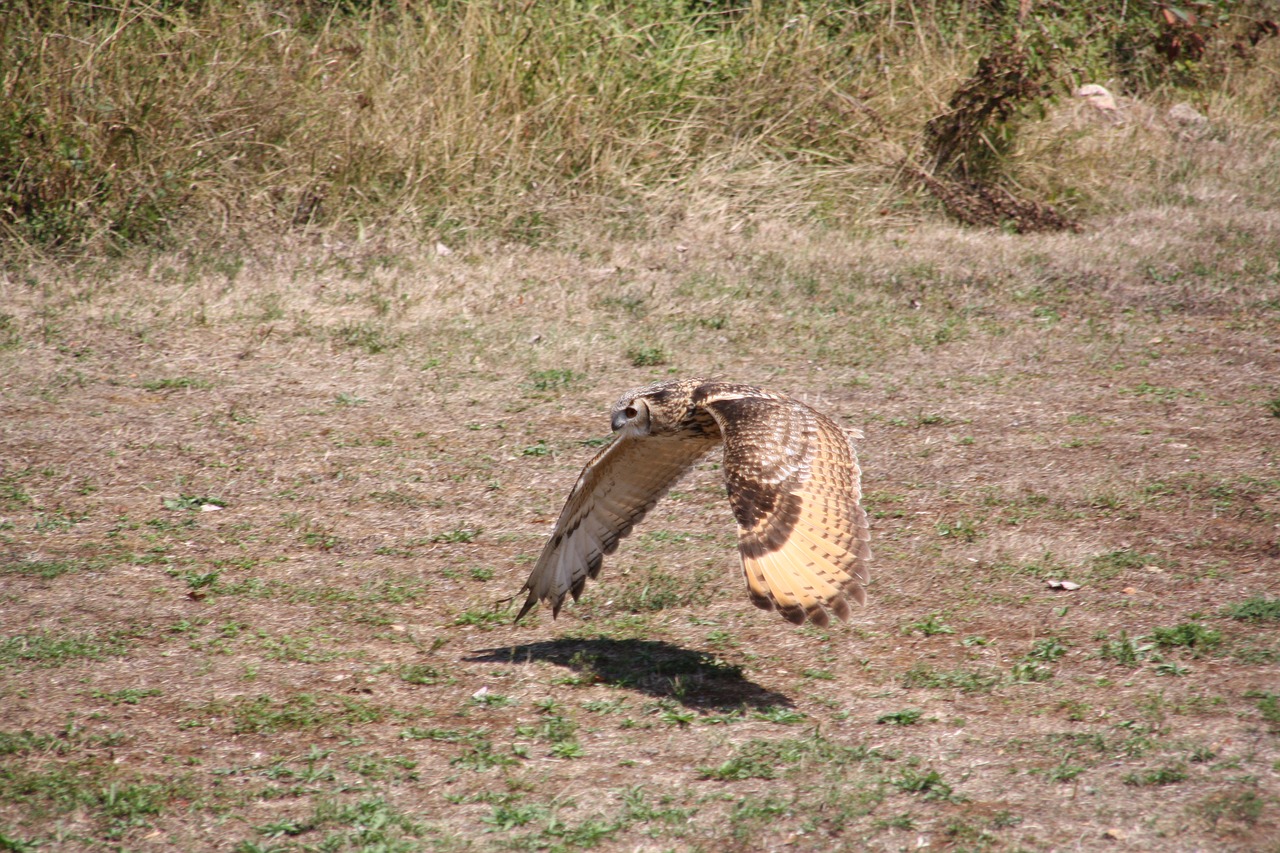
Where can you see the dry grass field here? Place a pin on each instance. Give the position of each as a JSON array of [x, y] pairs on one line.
[[265, 500], [259, 516]]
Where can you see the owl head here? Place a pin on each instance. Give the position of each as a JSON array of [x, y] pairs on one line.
[[664, 408]]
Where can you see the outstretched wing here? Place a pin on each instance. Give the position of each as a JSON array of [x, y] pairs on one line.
[[794, 486], [614, 491]]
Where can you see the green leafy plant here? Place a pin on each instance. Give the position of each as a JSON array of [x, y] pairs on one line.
[[905, 717], [929, 626], [1189, 635], [1260, 608], [1125, 650]]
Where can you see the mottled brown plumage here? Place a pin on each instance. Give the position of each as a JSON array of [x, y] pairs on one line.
[[793, 482]]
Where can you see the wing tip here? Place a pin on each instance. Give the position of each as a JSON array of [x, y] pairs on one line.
[[819, 610], [556, 603], [795, 614], [819, 617], [528, 605]]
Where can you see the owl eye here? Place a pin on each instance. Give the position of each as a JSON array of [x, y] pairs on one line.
[[629, 411]]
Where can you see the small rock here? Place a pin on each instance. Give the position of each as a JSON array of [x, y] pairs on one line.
[[1105, 106], [1097, 97], [1114, 835], [1187, 122], [1067, 585], [1185, 114]]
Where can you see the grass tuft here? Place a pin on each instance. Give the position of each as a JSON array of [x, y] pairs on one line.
[[55, 649], [1189, 635], [1260, 608], [905, 717]]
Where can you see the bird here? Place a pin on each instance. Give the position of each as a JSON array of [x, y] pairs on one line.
[[793, 482]]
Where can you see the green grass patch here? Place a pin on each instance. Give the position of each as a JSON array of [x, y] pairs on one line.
[[928, 783], [303, 712], [116, 805], [647, 356], [766, 759], [966, 681], [127, 696], [1169, 774], [49, 648], [654, 589], [191, 503], [27, 742], [905, 717], [421, 673], [10, 334], [1125, 650], [370, 823], [1260, 608], [371, 338], [930, 627], [552, 380], [1046, 649], [177, 383], [1188, 635], [489, 616], [1113, 563], [1268, 705], [1240, 807], [43, 569], [456, 536]]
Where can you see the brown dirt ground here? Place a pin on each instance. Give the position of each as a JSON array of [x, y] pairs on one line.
[[391, 433]]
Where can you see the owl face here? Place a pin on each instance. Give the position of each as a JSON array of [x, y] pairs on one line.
[[631, 415], [658, 409]]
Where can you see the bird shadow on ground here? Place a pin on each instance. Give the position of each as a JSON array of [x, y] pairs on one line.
[[694, 679]]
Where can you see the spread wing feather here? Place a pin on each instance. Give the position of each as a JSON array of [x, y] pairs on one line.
[[615, 490], [793, 482]]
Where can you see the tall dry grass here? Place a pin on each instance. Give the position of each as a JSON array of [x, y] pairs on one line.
[[124, 122]]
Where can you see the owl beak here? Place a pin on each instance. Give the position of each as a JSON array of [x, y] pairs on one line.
[[619, 420]]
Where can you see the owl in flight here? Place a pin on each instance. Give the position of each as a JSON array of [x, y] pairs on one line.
[[793, 481]]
